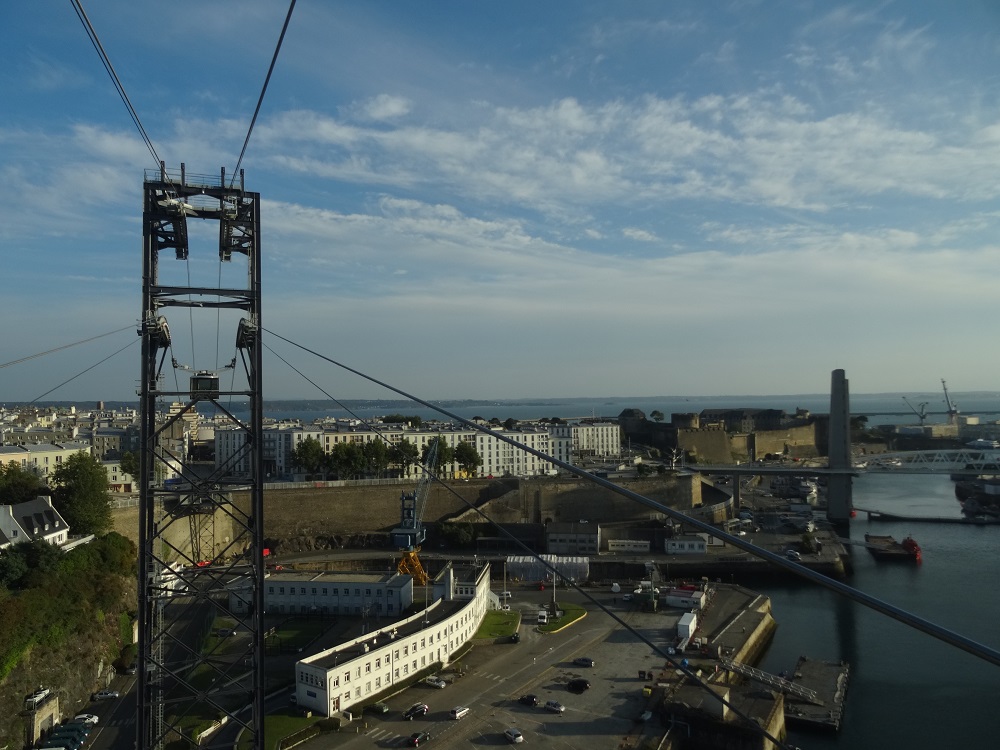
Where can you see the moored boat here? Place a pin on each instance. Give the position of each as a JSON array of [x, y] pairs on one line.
[[887, 548]]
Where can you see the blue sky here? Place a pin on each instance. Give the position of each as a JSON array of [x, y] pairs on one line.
[[507, 200]]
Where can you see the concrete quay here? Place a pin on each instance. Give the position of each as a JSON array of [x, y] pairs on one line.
[[829, 681]]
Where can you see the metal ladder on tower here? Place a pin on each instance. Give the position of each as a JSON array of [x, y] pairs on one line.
[[772, 680]]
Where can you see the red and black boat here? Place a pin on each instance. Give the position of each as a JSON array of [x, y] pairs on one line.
[[887, 548]]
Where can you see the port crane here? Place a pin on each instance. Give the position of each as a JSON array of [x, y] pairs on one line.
[[410, 533], [952, 406], [922, 414]]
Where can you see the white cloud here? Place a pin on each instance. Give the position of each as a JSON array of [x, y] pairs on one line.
[[640, 235], [386, 107]]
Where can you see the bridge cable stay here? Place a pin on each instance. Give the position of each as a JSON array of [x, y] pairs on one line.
[[428, 467], [950, 637]]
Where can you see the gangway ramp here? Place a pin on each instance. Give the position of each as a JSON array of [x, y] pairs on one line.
[[772, 680]]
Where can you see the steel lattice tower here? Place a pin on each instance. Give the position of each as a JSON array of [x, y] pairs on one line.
[[201, 550]]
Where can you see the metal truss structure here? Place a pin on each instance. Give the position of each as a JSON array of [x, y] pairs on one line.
[[931, 462], [200, 679]]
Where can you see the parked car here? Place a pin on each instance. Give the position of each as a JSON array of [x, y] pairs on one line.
[[505, 595], [436, 682], [418, 738], [627, 597], [91, 719], [555, 707], [105, 695], [64, 741], [583, 661], [417, 709], [377, 708], [578, 686], [513, 735], [38, 696], [528, 700]]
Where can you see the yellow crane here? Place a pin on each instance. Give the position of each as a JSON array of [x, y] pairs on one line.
[[410, 533]]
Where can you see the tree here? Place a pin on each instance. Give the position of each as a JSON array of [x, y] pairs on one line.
[[445, 455], [19, 485], [510, 423], [130, 464], [657, 415], [347, 460], [81, 494], [467, 457], [376, 455], [309, 456], [405, 454]]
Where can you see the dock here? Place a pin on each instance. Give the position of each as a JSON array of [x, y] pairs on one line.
[[878, 515], [825, 680]]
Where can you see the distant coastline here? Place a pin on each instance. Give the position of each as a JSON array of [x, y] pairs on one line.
[[891, 406]]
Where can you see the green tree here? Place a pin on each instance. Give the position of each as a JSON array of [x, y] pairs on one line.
[[656, 415], [19, 485], [347, 460], [468, 458], [130, 464], [445, 455], [376, 457], [81, 494], [405, 454], [510, 423], [309, 456]]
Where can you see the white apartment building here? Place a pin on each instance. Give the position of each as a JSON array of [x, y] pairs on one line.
[[353, 673], [41, 459], [564, 442], [501, 458], [597, 439]]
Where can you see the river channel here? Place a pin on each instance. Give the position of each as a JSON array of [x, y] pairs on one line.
[[907, 690]]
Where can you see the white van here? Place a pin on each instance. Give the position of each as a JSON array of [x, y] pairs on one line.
[[543, 618], [458, 712]]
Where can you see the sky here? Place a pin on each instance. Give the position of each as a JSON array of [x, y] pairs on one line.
[[519, 199]]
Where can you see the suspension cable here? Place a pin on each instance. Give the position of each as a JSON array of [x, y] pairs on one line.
[[60, 348], [37, 398], [92, 34], [260, 99]]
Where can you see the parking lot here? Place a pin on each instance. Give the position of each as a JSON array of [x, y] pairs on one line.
[[496, 676]]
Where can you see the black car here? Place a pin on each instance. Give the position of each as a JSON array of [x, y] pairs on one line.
[[418, 738], [528, 700], [515, 638], [578, 686], [377, 708], [417, 709]]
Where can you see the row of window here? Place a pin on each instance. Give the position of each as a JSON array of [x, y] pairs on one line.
[[331, 592]]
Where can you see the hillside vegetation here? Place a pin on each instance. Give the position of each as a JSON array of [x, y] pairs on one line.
[[66, 620]]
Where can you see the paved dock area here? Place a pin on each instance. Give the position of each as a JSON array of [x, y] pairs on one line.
[[829, 681]]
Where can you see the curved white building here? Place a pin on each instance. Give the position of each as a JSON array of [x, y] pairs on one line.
[[352, 674]]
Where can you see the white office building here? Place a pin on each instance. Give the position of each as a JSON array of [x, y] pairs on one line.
[[352, 674]]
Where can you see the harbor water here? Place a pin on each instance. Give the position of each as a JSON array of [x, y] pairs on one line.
[[907, 689]]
